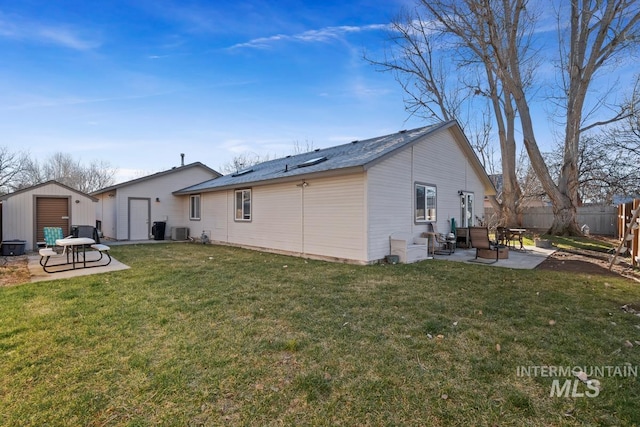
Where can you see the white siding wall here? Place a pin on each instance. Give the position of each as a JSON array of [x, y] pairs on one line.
[[170, 208], [275, 218], [19, 216], [325, 218], [106, 212], [83, 213], [390, 202], [214, 215], [334, 217], [437, 160]]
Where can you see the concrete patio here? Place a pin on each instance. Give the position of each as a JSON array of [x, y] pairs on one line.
[[39, 275], [528, 258]]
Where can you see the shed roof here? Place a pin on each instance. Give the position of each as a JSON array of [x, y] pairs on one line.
[[34, 187], [156, 175], [359, 155]]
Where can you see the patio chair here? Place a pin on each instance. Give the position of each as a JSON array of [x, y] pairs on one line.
[[444, 242], [86, 231], [92, 233], [503, 236], [480, 240], [51, 234]]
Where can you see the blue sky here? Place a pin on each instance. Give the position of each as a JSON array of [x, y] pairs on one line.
[[138, 83]]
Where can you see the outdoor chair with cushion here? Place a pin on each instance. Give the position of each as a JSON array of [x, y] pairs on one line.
[[92, 233], [86, 231], [480, 240], [444, 242]]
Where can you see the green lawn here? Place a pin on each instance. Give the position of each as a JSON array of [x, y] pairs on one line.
[[209, 335], [574, 242]]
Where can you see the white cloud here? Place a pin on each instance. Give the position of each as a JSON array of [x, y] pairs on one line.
[[311, 36], [65, 36], [43, 102]]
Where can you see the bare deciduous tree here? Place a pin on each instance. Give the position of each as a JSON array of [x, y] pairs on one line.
[[12, 167], [248, 159], [495, 35], [599, 32], [421, 58], [299, 148], [426, 79], [242, 161], [63, 168]]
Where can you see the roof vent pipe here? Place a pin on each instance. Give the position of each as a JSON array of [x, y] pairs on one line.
[[181, 159]]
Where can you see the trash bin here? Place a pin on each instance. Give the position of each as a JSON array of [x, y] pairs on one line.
[[13, 247], [158, 229]]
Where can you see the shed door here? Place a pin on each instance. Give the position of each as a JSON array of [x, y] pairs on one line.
[[51, 212]]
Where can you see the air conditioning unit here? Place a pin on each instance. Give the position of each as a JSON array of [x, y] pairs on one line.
[[179, 233]]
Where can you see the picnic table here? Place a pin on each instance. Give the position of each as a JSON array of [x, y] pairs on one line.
[[74, 249]]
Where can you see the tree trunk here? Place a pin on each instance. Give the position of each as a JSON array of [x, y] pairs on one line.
[[510, 211], [565, 216], [565, 220], [505, 119]]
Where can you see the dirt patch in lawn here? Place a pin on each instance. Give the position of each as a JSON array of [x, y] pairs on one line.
[[14, 270], [589, 262]]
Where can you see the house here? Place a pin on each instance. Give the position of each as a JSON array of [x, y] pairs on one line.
[[344, 202], [127, 211], [26, 212]]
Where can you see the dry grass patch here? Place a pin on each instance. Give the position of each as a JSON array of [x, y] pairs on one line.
[[13, 270]]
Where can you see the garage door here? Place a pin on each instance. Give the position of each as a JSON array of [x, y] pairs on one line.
[[52, 212]]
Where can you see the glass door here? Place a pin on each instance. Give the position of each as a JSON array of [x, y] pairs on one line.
[[466, 209]]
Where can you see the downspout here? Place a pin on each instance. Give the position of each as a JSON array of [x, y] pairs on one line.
[[302, 218], [302, 187], [412, 194]]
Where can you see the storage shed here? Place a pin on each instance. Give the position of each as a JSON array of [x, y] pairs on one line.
[[26, 212]]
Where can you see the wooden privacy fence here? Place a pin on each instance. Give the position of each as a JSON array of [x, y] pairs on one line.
[[629, 229], [601, 220]]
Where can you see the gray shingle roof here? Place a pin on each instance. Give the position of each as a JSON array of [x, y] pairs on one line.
[[353, 154], [155, 175]]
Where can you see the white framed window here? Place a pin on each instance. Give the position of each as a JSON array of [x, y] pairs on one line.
[[243, 205], [194, 207], [425, 202], [466, 209]]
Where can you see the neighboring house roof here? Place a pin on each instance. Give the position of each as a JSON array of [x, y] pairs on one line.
[[620, 199], [33, 187], [156, 175], [357, 155]]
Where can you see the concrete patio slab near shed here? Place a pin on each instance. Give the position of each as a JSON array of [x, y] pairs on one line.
[[39, 275], [528, 258]]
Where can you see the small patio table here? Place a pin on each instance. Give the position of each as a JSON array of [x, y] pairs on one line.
[[519, 232]]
